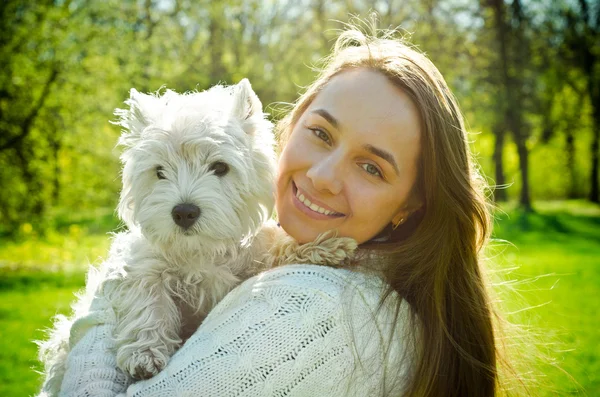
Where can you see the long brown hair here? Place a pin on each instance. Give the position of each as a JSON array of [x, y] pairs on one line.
[[432, 260]]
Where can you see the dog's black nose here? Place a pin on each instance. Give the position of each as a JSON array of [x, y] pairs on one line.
[[185, 215]]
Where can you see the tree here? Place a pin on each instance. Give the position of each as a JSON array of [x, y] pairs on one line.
[[582, 49], [512, 54]]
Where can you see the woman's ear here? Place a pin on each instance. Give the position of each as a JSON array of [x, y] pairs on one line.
[[400, 218], [405, 212]]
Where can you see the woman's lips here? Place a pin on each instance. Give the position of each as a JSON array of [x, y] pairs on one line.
[[313, 210]]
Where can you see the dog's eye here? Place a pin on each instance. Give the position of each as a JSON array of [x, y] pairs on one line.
[[219, 168], [159, 172]]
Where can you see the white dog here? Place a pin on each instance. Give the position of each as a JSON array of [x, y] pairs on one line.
[[197, 192], [197, 185]]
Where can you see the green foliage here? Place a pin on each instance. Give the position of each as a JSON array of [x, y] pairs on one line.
[[66, 65]]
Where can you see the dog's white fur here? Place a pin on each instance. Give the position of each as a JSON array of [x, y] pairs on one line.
[[168, 268], [162, 278]]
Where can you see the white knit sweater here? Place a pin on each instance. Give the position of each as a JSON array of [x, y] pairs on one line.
[[297, 330]]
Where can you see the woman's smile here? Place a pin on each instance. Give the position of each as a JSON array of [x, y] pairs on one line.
[[312, 207]]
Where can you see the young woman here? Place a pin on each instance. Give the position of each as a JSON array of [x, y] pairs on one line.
[[377, 149]]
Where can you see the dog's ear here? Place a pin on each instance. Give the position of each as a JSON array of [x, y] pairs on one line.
[[246, 104], [143, 108]]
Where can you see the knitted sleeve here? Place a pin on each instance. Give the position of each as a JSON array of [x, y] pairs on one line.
[[293, 331], [91, 367]]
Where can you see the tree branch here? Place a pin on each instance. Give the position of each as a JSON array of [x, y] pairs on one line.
[[25, 125]]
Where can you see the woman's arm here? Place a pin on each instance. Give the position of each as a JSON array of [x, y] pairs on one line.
[[286, 332], [78, 356], [91, 368], [298, 330]]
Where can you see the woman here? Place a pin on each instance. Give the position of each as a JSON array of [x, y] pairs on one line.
[[376, 148]]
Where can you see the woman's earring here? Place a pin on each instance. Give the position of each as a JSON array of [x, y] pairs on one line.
[[401, 221]]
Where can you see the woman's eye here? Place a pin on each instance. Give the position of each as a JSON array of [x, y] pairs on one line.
[[160, 172], [322, 135], [371, 169], [219, 168]]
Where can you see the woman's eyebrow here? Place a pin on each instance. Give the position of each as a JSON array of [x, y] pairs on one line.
[[387, 156], [327, 116]]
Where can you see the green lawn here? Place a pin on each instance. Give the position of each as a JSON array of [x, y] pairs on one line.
[[555, 257], [38, 276], [27, 302], [551, 267]]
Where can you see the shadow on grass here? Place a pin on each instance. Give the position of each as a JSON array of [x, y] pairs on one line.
[[62, 220], [98, 222], [36, 278], [554, 225]]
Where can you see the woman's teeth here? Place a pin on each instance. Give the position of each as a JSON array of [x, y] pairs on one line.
[[312, 206]]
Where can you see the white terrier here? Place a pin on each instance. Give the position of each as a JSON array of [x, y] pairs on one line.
[[197, 186], [197, 192]]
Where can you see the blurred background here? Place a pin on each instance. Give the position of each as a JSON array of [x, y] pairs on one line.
[[526, 73]]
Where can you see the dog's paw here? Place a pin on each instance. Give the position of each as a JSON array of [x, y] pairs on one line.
[[142, 364]]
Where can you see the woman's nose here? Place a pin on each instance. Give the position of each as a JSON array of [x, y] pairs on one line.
[[326, 174]]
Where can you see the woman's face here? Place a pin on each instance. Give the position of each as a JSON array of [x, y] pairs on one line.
[[351, 160]]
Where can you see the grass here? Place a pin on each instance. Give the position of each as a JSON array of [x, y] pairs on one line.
[[27, 302], [69, 242], [555, 254], [39, 272], [551, 267]]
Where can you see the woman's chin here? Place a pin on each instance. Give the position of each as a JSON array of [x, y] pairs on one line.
[[301, 236]]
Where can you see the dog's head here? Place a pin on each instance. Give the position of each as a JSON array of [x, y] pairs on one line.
[[198, 168]]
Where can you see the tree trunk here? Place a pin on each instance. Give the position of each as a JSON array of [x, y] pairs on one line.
[[500, 190], [215, 43], [321, 16], [512, 84], [34, 206], [594, 148], [518, 126], [55, 147], [524, 199], [589, 60], [570, 152]]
